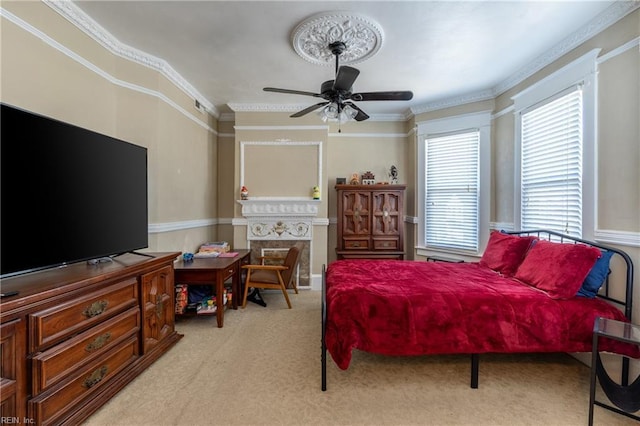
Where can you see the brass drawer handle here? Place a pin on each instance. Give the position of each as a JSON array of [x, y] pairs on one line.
[[95, 309], [98, 342], [356, 244], [95, 377]]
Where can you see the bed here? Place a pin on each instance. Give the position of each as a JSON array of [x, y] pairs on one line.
[[532, 291]]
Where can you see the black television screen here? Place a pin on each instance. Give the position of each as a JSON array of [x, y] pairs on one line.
[[68, 194]]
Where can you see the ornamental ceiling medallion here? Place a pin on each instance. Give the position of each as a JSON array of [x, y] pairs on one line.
[[361, 35]]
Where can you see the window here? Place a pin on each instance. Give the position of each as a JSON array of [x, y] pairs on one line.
[[555, 151], [453, 193], [451, 178], [551, 165]]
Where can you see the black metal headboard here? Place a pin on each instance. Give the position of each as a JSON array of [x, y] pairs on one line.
[[627, 303]]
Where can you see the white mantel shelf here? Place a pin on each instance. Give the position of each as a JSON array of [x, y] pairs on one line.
[[279, 218], [279, 207]]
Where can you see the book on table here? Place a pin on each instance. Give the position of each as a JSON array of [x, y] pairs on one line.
[[229, 254]]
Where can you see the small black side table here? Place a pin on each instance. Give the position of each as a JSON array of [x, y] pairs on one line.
[[626, 398]]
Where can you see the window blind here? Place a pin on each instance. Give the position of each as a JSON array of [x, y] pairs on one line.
[[451, 199], [551, 169]]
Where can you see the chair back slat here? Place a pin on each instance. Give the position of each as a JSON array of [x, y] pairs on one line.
[[291, 261]]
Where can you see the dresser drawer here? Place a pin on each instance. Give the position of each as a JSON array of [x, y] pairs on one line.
[[53, 325], [53, 365], [49, 407]]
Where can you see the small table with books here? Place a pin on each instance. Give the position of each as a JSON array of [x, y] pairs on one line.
[[214, 271]]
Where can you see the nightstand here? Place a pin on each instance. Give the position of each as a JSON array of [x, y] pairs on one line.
[[626, 398]]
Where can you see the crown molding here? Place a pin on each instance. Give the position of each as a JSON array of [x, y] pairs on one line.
[[85, 23], [608, 17], [245, 107], [482, 95], [227, 116]]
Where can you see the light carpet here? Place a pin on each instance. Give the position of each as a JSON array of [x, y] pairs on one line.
[[263, 368]]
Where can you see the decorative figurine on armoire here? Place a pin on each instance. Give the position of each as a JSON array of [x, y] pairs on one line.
[[393, 174]]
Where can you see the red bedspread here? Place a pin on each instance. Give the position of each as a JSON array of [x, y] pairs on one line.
[[416, 308]]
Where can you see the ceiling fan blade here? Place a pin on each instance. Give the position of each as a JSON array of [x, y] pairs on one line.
[[361, 116], [293, 92], [383, 96], [308, 109], [345, 78]]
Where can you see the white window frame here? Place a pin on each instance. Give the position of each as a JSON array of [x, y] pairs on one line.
[[482, 122], [582, 71]]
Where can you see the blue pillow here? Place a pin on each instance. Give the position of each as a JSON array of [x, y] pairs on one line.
[[597, 276]]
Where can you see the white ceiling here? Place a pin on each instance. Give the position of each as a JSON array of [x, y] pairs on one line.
[[443, 51]]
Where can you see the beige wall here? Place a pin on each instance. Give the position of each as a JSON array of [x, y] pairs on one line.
[[617, 173], [88, 86]]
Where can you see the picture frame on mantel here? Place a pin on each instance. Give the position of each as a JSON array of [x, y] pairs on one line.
[[341, 181]]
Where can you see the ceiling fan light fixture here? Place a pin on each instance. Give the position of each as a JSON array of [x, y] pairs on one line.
[[349, 112], [331, 113]]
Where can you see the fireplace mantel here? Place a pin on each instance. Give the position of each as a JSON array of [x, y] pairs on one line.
[[279, 218], [279, 207]]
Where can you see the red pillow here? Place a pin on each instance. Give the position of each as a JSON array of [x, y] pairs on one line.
[[505, 252], [556, 268]]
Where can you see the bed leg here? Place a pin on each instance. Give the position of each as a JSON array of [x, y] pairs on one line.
[[475, 366], [323, 354], [324, 369]]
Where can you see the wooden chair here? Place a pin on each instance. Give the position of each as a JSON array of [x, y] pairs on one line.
[[273, 276]]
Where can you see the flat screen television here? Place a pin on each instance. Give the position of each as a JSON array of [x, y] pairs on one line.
[[68, 194]]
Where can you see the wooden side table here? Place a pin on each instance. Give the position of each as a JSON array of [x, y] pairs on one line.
[[626, 398], [214, 271]]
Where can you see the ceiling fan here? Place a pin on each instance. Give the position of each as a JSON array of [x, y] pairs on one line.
[[338, 95]]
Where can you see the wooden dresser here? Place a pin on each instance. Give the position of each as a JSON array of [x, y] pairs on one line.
[[370, 221], [74, 336]]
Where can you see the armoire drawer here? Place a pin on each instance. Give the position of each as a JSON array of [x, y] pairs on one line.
[[53, 365], [362, 244], [50, 406], [53, 325], [385, 244]]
